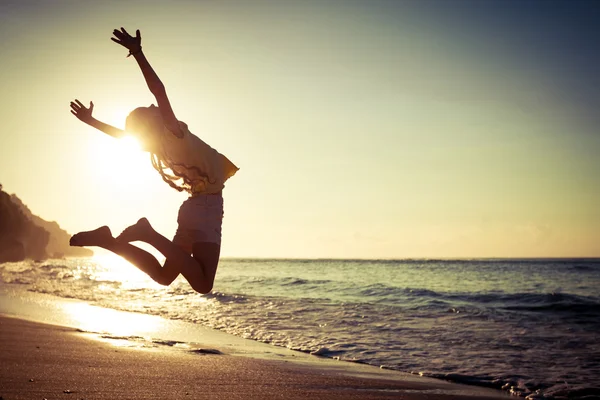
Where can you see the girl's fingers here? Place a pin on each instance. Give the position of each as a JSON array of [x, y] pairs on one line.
[[117, 41], [75, 106], [80, 104], [74, 113], [124, 31]]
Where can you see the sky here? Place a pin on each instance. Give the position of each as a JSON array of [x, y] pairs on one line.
[[362, 129]]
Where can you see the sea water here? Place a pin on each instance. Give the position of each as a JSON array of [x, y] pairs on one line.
[[530, 327]]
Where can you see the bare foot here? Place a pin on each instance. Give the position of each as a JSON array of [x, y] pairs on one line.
[[138, 231], [101, 237]]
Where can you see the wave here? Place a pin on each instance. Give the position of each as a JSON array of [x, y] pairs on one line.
[[226, 298], [475, 333], [19, 281], [539, 302], [279, 281], [300, 282]]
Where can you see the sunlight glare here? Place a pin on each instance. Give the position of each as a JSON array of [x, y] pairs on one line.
[[116, 155], [97, 319], [130, 144], [119, 166], [113, 268]]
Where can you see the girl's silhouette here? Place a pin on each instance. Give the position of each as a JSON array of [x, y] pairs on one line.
[[194, 167]]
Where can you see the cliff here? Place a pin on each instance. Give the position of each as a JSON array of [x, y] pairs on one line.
[[25, 235]]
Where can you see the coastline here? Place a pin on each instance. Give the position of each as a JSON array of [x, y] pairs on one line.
[[175, 360]]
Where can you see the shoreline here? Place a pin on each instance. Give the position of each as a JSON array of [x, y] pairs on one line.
[[50, 361], [33, 346]]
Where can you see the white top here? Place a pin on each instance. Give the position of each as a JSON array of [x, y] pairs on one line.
[[203, 167]]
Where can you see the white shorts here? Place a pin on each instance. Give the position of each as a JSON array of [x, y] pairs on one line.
[[199, 220]]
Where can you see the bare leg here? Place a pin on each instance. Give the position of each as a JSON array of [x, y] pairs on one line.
[[102, 237], [207, 254], [191, 268], [178, 261]]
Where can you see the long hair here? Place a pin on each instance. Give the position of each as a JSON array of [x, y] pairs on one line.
[[159, 165], [147, 124]]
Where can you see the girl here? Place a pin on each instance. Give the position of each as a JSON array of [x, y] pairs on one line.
[[194, 251]]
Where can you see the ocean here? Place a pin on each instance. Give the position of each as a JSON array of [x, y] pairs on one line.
[[530, 327]]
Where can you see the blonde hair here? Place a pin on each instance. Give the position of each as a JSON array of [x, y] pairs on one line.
[[147, 124], [160, 166]]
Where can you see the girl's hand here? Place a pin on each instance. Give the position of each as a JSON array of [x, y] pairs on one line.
[[82, 113], [133, 44]]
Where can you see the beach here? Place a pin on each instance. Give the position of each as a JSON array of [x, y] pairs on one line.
[[415, 214], [494, 327], [49, 349], [49, 361]]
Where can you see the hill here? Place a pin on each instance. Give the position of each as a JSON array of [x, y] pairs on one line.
[[25, 235]]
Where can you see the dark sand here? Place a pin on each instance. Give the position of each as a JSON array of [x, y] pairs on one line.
[[39, 361]]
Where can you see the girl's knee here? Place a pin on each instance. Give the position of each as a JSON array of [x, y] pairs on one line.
[[167, 275], [164, 280], [202, 287]]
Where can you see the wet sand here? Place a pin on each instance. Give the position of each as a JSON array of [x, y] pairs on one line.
[[40, 361]]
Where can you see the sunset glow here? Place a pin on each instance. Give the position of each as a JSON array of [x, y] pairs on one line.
[[362, 129], [96, 319], [117, 269]]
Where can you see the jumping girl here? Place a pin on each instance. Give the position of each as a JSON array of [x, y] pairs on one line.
[[194, 167]]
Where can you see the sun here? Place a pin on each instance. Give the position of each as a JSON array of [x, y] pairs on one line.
[[129, 145], [126, 156], [119, 165]]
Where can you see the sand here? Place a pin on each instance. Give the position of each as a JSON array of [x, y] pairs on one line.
[[47, 347], [41, 361]]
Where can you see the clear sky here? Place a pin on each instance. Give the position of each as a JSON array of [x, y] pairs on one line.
[[367, 129]]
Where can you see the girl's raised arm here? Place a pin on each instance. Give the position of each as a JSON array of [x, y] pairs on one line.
[[85, 115], [134, 45]]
